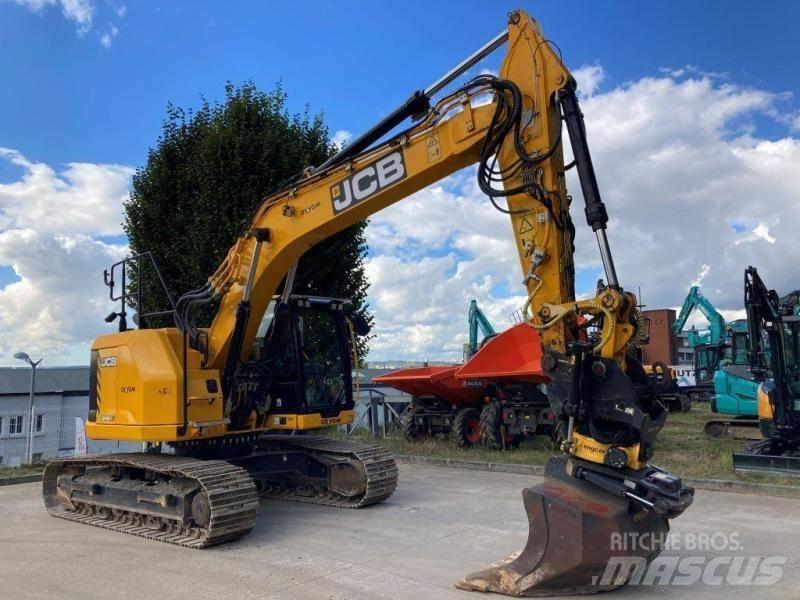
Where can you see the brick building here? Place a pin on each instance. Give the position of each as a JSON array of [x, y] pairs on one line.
[[663, 344]]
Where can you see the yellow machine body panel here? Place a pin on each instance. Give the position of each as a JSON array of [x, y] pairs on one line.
[[139, 385]]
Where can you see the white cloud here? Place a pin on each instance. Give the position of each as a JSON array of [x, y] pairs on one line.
[[50, 224], [678, 162], [84, 198], [692, 70], [108, 36], [693, 192], [431, 254], [704, 269], [119, 9], [341, 137], [80, 12], [589, 78]]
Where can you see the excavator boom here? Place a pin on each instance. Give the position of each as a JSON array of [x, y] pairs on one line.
[[477, 320], [696, 301]]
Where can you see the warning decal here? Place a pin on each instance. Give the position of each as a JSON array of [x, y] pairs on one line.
[[525, 226], [434, 148]]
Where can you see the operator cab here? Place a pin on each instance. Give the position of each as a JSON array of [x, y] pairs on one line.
[[300, 362], [709, 358]]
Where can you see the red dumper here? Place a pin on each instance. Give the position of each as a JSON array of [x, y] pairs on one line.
[[494, 397]]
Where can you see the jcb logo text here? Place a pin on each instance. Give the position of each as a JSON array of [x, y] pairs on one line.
[[368, 181]]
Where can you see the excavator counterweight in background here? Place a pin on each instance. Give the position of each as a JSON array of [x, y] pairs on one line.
[[217, 397]]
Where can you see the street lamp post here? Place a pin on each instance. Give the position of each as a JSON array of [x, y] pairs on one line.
[[24, 356]]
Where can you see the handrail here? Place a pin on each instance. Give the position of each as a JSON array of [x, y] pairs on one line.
[[125, 294]]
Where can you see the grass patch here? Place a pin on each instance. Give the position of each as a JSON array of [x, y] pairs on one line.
[[21, 471], [681, 448]]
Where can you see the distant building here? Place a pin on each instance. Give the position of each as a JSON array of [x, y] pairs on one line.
[[685, 351], [662, 346], [62, 393]]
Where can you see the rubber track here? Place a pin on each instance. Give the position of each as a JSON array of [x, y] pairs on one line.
[[378, 462], [231, 493]]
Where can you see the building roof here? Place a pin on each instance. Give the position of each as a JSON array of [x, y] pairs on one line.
[[367, 375], [17, 380]]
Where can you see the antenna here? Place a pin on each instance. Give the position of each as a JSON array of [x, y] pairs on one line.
[[641, 304]]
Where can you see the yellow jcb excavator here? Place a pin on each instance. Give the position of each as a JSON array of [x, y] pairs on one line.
[[216, 405]]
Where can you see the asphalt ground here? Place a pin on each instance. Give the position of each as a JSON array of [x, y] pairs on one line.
[[440, 524]]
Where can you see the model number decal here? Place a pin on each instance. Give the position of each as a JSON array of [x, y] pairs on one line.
[[330, 421], [368, 181], [309, 208]]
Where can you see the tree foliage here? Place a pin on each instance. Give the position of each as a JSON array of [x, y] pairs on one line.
[[208, 171]]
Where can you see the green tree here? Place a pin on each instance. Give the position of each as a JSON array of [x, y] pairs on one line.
[[208, 171]]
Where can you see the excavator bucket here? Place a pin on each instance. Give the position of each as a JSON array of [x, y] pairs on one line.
[[581, 540]]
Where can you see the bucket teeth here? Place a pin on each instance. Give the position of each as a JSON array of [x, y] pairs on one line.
[[577, 537]]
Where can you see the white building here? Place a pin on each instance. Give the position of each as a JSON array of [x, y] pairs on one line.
[[62, 393]]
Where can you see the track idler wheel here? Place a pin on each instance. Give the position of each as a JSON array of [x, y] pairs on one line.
[[577, 535], [201, 509], [715, 430]]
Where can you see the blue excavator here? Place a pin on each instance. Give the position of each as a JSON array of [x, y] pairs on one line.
[[721, 343], [721, 368]]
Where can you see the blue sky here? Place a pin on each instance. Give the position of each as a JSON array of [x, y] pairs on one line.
[[67, 98], [691, 108]]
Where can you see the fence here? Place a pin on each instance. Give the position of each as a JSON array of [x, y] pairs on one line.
[[53, 435], [378, 410]]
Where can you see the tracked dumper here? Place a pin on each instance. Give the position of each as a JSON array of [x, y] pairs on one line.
[[197, 502], [492, 398]]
